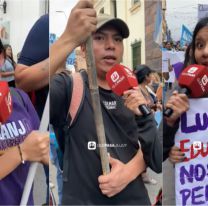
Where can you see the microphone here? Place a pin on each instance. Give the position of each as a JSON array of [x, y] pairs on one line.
[[121, 79], [5, 102], [193, 81]]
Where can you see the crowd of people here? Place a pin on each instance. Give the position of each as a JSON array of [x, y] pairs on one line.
[[175, 46]]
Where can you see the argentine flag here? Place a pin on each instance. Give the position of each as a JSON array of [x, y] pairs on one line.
[[157, 36], [186, 36]]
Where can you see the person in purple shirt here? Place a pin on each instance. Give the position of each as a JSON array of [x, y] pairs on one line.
[[32, 70], [19, 143]]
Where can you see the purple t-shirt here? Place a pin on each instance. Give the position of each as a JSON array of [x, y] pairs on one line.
[[22, 121]]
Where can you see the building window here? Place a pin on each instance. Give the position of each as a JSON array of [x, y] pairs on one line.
[[102, 11], [133, 2], [135, 5], [136, 54]]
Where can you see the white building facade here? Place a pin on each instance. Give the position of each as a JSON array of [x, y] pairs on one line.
[[19, 18], [132, 12]]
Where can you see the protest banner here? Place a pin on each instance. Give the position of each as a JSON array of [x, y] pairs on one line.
[[177, 62], [157, 35], [191, 175], [175, 59], [165, 57], [202, 11]]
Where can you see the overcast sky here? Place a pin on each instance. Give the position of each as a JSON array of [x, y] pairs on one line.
[[181, 12]]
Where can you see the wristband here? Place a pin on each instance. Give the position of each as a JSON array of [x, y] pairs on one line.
[[20, 152]]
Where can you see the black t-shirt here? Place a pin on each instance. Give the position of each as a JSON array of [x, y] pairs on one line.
[[35, 50], [83, 165]]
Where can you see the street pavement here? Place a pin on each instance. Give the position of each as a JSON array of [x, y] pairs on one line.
[[168, 174], [53, 180], [154, 189], [168, 183], [39, 191]]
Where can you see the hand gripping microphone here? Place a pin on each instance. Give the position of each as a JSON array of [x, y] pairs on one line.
[[193, 82], [121, 79], [5, 102]]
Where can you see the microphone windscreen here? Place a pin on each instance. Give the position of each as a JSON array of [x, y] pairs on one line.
[[5, 102], [195, 79], [121, 79]]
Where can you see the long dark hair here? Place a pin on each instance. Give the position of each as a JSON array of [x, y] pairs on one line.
[[8, 57], [187, 60], [201, 24], [2, 50]]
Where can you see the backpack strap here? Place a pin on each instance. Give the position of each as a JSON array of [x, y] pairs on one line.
[[76, 96]]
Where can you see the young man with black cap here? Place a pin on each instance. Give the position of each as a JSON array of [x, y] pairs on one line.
[[84, 183]]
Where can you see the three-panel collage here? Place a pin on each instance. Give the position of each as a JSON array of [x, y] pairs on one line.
[[104, 102]]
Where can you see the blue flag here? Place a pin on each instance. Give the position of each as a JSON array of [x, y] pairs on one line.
[[157, 36], [186, 36]]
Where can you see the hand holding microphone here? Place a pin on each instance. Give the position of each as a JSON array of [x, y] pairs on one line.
[[179, 103], [133, 98], [124, 83], [5, 102], [193, 82]]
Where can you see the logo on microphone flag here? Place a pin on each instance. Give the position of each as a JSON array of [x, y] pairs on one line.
[[192, 70], [115, 76]]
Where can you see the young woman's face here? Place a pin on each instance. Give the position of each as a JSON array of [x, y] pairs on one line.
[[153, 77], [201, 47], [9, 51]]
